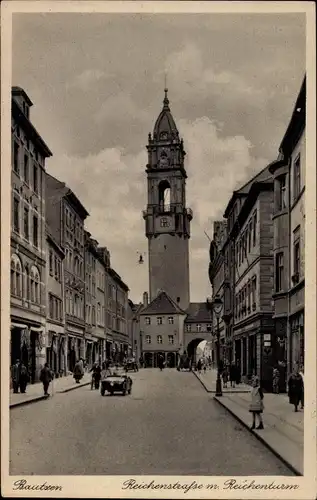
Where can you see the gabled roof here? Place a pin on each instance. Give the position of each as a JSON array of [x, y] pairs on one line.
[[243, 191], [197, 312], [162, 304]]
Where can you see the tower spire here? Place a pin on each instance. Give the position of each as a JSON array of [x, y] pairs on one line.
[[166, 101]]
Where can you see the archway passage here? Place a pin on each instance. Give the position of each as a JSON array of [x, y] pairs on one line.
[[192, 349]]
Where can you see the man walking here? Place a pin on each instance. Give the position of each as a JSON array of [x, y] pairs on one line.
[[46, 377]]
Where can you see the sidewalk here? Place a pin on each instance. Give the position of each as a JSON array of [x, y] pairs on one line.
[[34, 392], [208, 380], [283, 431]]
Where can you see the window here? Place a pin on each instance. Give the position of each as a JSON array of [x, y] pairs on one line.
[[279, 272], [198, 328], [159, 339], [164, 222], [93, 315], [35, 179], [160, 321], [209, 328], [296, 258], [171, 339], [249, 297], [171, 320], [16, 276], [35, 231], [148, 339], [16, 218], [188, 328], [26, 223], [281, 195], [35, 285], [26, 169], [254, 227], [297, 177], [249, 236], [147, 321], [16, 149], [253, 287]]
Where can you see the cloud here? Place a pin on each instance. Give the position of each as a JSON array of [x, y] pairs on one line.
[[85, 80]]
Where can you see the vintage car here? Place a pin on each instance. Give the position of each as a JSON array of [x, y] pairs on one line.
[[131, 365], [116, 383]]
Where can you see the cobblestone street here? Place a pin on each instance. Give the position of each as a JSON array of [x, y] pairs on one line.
[[169, 425]]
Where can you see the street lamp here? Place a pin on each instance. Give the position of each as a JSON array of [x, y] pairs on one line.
[[216, 306]]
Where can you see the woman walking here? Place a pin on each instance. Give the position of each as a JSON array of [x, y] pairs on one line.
[[225, 377], [256, 406], [295, 388]]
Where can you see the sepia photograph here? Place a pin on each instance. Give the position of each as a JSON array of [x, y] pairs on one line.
[[156, 254]]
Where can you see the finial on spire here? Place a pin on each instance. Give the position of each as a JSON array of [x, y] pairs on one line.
[[166, 101]]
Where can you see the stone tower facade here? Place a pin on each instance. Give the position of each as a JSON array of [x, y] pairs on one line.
[[167, 220]]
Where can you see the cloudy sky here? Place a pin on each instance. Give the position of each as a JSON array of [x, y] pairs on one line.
[[96, 81]]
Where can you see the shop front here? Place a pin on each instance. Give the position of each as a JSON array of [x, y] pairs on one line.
[[27, 345]]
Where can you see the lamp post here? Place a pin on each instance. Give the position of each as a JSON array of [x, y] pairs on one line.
[[216, 306]]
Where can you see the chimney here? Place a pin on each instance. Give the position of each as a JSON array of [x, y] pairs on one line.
[[145, 299]]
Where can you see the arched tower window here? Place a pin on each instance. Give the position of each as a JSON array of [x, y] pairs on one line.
[[164, 196]]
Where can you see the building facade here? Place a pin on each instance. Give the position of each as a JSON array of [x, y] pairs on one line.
[[167, 220], [118, 347], [162, 331], [289, 236], [65, 216], [55, 338], [28, 240]]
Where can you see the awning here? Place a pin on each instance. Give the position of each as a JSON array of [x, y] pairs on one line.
[[36, 328], [18, 325]]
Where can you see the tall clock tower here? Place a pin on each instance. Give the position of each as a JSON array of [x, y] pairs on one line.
[[167, 220]]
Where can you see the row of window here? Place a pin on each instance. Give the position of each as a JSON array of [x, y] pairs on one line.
[[246, 299], [159, 339], [30, 229], [25, 283], [160, 320], [247, 240], [55, 305], [280, 284], [55, 266], [28, 170], [23, 140], [198, 327], [281, 201], [73, 263], [92, 318], [74, 227], [74, 304]]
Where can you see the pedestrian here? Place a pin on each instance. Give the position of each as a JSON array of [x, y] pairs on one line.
[[46, 377], [205, 367], [199, 366], [301, 372], [103, 375], [295, 388], [24, 377], [276, 380], [256, 405], [93, 375], [225, 377], [97, 376], [238, 372], [15, 376], [232, 375], [78, 371]]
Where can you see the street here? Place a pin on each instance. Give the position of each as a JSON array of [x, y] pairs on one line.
[[169, 425]]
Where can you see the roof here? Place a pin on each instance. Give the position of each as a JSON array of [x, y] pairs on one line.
[[69, 194], [118, 279], [165, 121], [297, 122], [243, 191], [21, 91], [52, 240], [197, 312], [162, 304]]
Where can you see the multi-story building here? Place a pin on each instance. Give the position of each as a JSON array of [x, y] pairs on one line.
[[96, 265], [289, 236], [55, 338], [197, 327], [28, 240], [217, 279], [116, 316], [65, 216], [162, 330]]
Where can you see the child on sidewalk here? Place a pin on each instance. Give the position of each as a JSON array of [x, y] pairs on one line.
[[256, 406]]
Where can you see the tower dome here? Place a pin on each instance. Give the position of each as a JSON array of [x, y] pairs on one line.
[[165, 127]]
